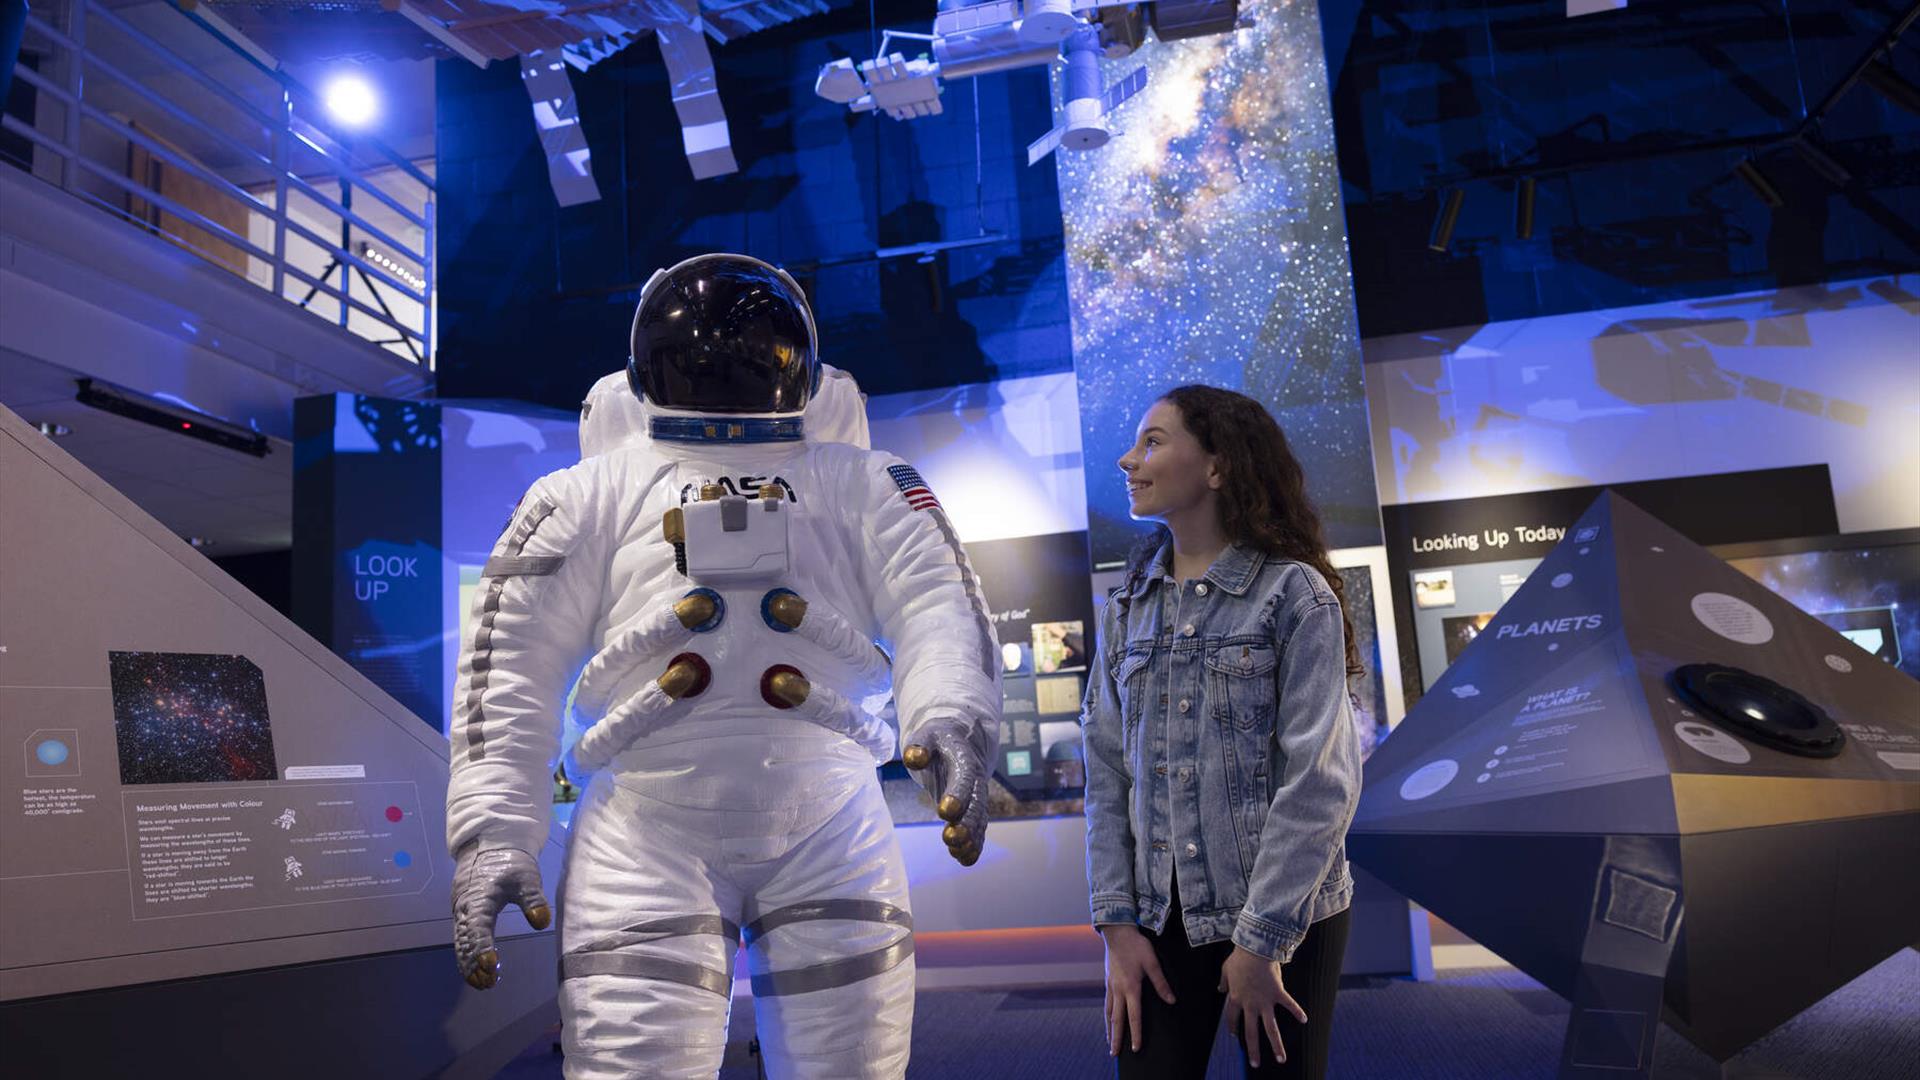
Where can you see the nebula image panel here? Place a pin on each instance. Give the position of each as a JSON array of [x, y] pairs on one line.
[[1207, 243], [184, 718]]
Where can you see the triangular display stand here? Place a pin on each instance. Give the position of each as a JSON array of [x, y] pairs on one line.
[[212, 826], [1562, 799]]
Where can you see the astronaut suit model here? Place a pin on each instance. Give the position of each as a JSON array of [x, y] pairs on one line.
[[727, 583]]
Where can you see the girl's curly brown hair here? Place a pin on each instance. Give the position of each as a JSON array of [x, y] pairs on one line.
[[1263, 496]]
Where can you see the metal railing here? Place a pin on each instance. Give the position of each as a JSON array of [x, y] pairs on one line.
[[225, 155]]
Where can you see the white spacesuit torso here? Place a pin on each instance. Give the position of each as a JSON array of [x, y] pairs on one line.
[[720, 811], [832, 555]]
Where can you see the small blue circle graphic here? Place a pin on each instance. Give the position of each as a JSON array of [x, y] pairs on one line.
[[51, 752], [402, 860]]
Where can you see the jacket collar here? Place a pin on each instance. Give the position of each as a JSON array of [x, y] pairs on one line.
[[1236, 568], [1233, 571]]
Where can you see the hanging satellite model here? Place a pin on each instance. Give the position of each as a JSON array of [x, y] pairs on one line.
[[1661, 790], [973, 39], [549, 38]]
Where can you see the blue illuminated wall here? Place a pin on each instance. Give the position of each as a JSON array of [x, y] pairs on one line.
[[397, 505], [1004, 457], [1205, 243], [491, 457], [366, 553], [1821, 375]]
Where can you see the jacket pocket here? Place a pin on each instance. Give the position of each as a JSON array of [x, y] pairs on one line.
[[1244, 758], [1241, 685]]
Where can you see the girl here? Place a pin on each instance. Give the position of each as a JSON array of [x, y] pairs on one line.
[[1222, 766]]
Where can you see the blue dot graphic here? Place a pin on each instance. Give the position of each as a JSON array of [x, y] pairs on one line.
[[51, 752], [402, 860]]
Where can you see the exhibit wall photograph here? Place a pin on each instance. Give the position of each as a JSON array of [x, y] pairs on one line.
[[1372, 716], [190, 718]]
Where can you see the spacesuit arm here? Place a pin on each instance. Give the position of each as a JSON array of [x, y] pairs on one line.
[[946, 665], [1316, 788], [531, 628], [1109, 788], [932, 613]]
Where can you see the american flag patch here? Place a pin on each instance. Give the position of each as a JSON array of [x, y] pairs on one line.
[[917, 494]]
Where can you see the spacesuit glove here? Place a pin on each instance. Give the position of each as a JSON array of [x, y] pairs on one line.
[[953, 769], [484, 882]]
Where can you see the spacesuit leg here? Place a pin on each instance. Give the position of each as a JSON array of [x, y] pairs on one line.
[[648, 934], [831, 951]]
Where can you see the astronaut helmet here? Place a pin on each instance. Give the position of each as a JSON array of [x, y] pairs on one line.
[[724, 334]]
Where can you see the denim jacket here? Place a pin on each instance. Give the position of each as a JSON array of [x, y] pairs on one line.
[[1220, 747]]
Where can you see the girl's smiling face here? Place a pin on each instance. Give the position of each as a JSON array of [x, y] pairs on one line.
[[1167, 472]]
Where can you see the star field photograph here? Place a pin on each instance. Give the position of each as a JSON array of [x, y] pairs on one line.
[[1207, 243], [190, 718]]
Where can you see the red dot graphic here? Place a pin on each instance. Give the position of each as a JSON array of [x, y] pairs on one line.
[[394, 814]]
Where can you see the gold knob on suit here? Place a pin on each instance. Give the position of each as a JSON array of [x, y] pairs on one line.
[[783, 686], [687, 675], [789, 609], [694, 609]]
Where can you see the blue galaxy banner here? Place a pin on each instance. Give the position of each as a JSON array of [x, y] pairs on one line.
[[1207, 243]]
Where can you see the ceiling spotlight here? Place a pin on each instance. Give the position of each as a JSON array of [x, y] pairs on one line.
[[352, 101], [1822, 162], [53, 430], [200, 542], [1443, 222], [1523, 209], [1761, 186], [1891, 86]]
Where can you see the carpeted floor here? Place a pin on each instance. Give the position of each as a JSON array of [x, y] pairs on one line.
[[1470, 1024]]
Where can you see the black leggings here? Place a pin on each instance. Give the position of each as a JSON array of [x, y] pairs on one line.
[[1177, 1039]]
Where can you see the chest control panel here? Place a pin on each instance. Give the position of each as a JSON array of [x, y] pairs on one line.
[[723, 538]]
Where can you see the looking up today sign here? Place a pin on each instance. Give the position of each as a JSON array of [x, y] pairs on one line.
[[1723, 508]]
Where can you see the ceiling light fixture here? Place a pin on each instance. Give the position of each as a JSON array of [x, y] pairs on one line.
[[53, 430], [120, 401], [351, 100]]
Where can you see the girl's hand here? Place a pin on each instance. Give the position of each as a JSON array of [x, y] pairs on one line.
[[1130, 965], [1254, 990]]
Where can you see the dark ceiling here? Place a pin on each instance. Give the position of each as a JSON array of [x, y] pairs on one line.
[[1633, 124], [1630, 127]]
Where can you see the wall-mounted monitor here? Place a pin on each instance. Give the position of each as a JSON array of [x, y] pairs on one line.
[[1865, 585]]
